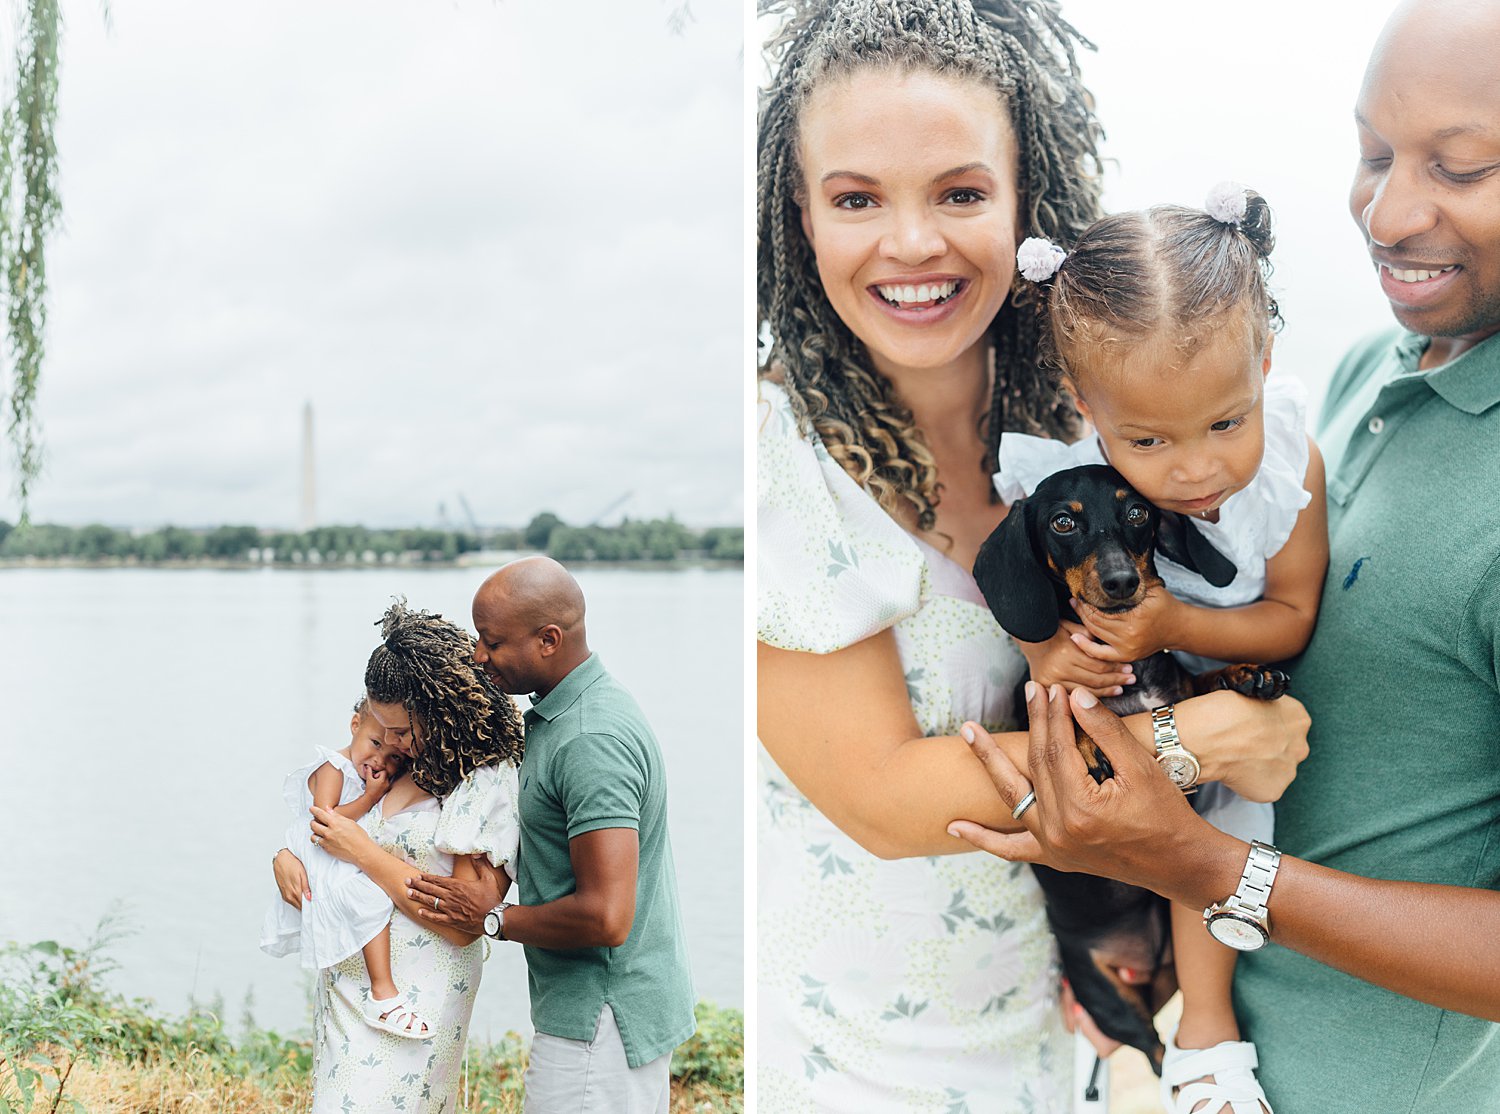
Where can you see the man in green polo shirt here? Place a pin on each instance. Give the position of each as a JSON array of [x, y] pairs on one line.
[[1390, 835], [611, 995]]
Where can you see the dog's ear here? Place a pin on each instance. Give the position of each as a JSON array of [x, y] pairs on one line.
[[1014, 582], [1179, 540]]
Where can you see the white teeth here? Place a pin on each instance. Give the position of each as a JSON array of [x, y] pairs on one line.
[[918, 295], [1415, 276]]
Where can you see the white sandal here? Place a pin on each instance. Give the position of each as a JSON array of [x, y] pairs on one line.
[[400, 1018], [1234, 1089]]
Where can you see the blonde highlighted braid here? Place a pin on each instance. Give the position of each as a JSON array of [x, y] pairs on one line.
[[1025, 51], [426, 664]]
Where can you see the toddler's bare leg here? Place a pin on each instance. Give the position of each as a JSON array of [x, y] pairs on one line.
[[1205, 972], [377, 955]]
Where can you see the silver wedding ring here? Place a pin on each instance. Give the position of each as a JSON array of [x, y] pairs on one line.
[[315, 839], [434, 903], [1026, 802]]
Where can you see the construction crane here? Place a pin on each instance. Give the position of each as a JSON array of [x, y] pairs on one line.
[[468, 513], [616, 505]]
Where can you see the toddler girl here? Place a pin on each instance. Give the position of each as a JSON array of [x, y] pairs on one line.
[[1161, 323], [350, 913]]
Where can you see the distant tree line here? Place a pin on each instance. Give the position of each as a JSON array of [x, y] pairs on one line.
[[654, 540]]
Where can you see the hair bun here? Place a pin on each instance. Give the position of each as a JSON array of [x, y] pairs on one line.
[[1247, 211], [1256, 224]]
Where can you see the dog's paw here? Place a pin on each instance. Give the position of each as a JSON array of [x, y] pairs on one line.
[[1259, 681]]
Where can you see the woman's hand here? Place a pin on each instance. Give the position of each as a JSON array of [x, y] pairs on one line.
[[1061, 661], [1252, 746], [291, 878], [1135, 826], [338, 835]]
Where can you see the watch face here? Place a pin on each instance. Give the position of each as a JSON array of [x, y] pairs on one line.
[[1180, 767], [1237, 932], [492, 924]]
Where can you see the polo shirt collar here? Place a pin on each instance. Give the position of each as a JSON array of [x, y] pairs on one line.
[[569, 689], [1471, 382]]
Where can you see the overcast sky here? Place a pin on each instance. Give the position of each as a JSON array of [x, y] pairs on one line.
[[497, 245]]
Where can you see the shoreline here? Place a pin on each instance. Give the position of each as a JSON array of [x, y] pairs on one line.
[[215, 564]]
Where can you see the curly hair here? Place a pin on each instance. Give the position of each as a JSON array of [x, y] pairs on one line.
[[426, 664], [1167, 269], [1026, 52]]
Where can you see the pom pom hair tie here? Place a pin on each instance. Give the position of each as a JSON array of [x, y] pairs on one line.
[[1039, 259], [1227, 203]]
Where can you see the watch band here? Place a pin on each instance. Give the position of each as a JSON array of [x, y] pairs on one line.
[[1242, 920], [1169, 745], [1254, 890]]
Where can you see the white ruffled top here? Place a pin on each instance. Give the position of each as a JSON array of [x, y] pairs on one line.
[[482, 815], [1254, 523]]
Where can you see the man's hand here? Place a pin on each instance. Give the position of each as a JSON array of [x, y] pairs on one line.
[[1149, 627], [1136, 826], [462, 904]]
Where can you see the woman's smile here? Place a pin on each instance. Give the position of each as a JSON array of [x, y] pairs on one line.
[[911, 211]]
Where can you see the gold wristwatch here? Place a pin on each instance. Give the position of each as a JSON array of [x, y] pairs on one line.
[[1175, 760]]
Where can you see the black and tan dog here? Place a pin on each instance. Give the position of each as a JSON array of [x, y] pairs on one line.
[[1087, 534]]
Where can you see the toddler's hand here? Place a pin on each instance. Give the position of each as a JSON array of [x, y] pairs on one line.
[[378, 784], [1146, 629], [1060, 661]]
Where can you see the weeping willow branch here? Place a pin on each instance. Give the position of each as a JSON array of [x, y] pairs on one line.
[[29, 211]]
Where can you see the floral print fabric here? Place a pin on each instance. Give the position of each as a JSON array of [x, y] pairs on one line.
[[911, 985]]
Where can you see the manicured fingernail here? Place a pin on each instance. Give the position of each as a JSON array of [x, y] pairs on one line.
[[1053, 693], [1085, 698], [1030, 691], [1127, 669], [967, 732]]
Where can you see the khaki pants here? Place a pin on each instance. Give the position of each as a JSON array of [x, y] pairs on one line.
[[592, 1077]]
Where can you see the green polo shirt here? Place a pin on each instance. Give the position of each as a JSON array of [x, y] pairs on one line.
[[1403, 779], [592, 762]]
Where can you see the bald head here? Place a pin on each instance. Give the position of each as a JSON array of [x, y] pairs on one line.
[[536, 590], [529, 616]]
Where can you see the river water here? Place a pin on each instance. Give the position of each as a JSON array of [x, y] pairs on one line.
[[148, 718]]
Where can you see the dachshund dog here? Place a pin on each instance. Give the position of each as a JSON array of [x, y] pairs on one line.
[[1086, 534]]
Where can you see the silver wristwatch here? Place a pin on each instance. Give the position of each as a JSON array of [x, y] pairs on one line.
[[1175, 760], [494, 921], [1242, 921]]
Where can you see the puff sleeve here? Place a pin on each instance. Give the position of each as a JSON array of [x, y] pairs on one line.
[[1281, 484], [832, 568], [482, 815], [1026, 461]]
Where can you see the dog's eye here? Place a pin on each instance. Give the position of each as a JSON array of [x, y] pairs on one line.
[[1063, 524], [1136, 515]]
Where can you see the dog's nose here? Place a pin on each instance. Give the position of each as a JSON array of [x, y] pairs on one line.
[[1119, 583]]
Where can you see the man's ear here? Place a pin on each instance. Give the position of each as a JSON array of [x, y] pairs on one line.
[[551, 639], [1013, 581], [1178, 540]]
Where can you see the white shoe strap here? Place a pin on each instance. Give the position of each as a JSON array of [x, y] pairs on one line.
[[1184, 1065]]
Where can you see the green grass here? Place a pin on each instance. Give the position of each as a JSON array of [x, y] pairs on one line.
[[69, 1043]]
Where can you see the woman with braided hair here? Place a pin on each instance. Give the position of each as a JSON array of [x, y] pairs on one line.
[[905, 148], [454, 812]]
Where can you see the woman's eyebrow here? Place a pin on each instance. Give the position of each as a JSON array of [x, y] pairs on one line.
[[959, 171], [858, 177]]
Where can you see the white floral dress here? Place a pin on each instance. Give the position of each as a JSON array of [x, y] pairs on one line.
[[911, 985], [358, 1069]]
